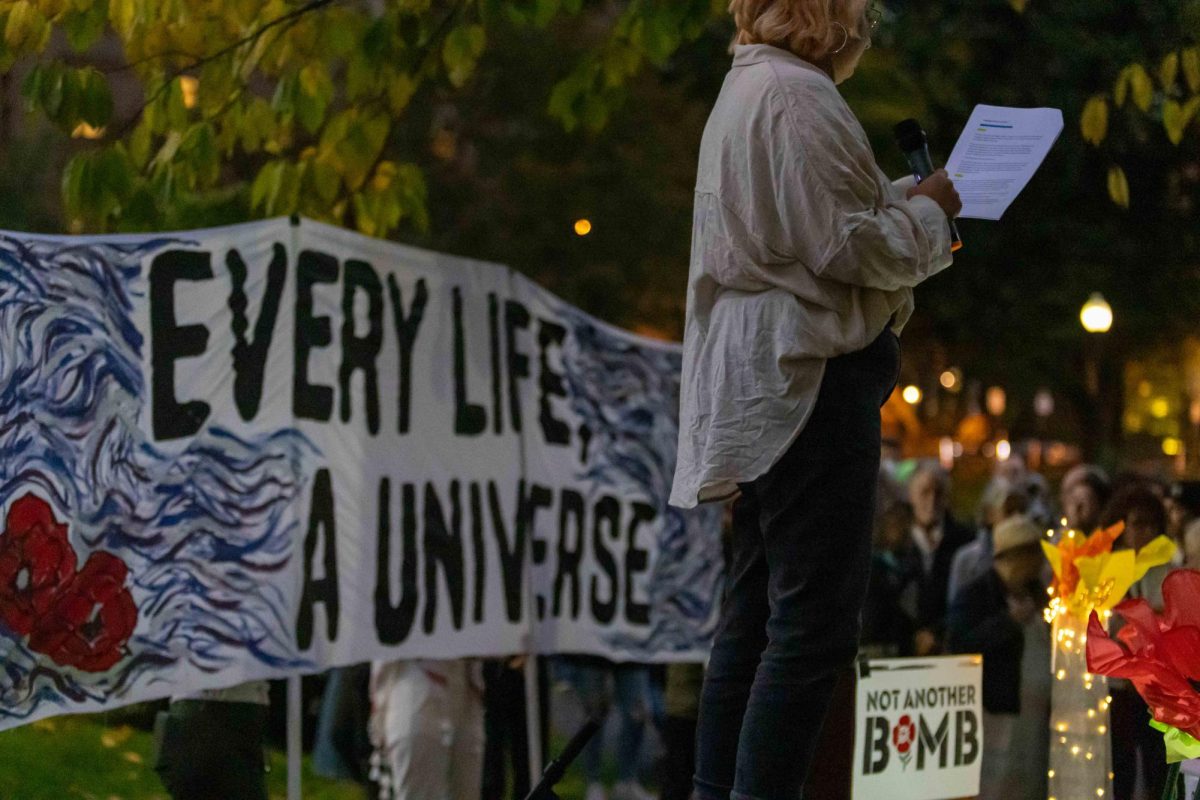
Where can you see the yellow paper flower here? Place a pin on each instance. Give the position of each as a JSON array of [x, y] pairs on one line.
[[1091, 576]]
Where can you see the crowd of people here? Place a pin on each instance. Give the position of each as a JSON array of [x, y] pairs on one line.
[[944, 586], [939, 585]]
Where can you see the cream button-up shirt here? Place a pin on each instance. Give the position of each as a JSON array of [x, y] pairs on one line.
[[802, 250]]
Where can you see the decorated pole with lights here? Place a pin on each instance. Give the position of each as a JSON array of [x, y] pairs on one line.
[[1089, 576]]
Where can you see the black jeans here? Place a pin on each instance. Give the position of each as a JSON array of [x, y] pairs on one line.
[[796, 587]]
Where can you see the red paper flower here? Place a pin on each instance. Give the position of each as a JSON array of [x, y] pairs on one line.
[[36, 563], [92, 619], [904, 734], [1160, 655]]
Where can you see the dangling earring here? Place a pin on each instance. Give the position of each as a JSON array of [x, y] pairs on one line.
[[845, 38]]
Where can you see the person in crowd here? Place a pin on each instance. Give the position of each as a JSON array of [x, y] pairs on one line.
[[603, 686], [1001, 500], [684, 682], [1191, 545], [889, 616], [1183, 506], [1040, 505], [505, 721], [426, 729], [212, 744], [342, 748], [1141, 509], [935, 538], [1084, 493], [998, 615]]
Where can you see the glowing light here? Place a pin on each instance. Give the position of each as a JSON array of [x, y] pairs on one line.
[[1043, 403], [1103, 729], [1062, 674], [190, 88], [1050, 774], [583, 227], [912, 394], [1160, 407], [1096, 314], [1061, 727], [85, 131], [1091, 713], [1003, 450], [997, 400], [1075, 750], [951, 379], [946, 452], [1171, 446]]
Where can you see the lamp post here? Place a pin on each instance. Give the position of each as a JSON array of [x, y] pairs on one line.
[[1096, 316]]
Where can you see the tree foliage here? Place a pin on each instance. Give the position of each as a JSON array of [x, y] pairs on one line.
[[285, 107], [1159, 84]]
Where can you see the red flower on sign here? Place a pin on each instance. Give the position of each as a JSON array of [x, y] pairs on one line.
[[93, 618], [904, 734], [36, 562], [80, 620]]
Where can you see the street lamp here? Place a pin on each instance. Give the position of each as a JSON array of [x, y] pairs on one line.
[[1097, 318], [1096, 314]]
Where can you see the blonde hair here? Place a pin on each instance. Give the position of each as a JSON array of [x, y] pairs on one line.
[[812, 29]]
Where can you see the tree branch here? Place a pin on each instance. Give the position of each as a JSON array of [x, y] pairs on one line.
[[289, 19]]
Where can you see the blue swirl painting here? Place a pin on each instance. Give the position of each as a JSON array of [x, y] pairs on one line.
[[196, 531], [626, 393]]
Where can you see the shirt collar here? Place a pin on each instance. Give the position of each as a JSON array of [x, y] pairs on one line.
[[927, 541], [746, 54]]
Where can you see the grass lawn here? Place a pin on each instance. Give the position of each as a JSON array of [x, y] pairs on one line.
[[79, 758], [82, 758]]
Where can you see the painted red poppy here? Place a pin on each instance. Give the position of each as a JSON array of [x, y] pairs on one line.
[[36, 563], [92, 620], [79, 619]]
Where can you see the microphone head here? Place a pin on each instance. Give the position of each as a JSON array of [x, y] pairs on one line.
[[909, 135]]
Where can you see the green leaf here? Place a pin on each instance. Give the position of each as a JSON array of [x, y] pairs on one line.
[[461, 52], [316, 90], [95, 102], [85, 26], [176, 109]]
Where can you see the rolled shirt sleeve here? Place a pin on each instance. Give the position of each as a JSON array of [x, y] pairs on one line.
[[843, 226]]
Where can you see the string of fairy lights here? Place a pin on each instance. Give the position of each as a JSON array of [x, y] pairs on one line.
[[1080, 751]]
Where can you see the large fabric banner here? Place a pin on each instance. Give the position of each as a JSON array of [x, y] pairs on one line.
[[277, 447]]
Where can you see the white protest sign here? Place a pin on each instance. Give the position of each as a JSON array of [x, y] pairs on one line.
[[918, 728]]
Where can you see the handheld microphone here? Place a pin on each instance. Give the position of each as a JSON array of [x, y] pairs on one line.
[[912, 140]]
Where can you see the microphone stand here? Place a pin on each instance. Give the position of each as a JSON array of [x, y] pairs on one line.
[[558, 767]]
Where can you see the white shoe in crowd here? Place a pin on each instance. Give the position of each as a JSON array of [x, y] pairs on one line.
[[595, 791], [631, 790]]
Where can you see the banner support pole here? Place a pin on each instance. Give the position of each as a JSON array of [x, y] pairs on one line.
[[293, 737], [533, 710]]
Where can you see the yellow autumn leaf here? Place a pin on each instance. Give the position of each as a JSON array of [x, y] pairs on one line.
[[1118, 187], [1173, 121], [1142, 86], [1168, 70], [1121, 88], [1178, 116], [1191, 67], [1094, 123]]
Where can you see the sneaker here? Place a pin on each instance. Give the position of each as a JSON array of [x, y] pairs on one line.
[[595, 791], [631, 790]]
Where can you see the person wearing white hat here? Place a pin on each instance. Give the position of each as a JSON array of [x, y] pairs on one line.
[[997, 615]]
